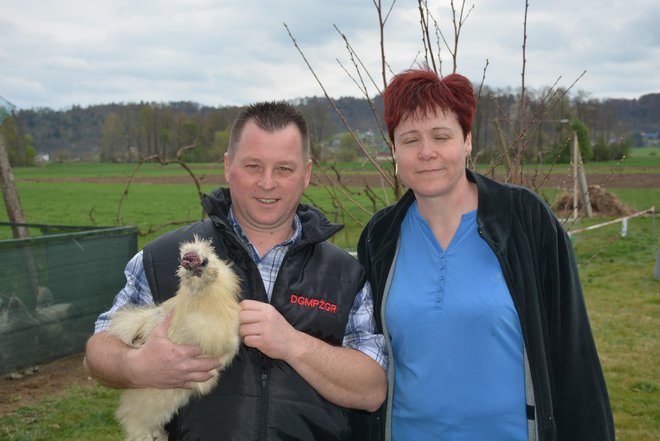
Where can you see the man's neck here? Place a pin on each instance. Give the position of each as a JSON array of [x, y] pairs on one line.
[[265, 240]]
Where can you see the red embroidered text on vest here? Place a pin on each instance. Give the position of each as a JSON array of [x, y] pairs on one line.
[[313, 303]]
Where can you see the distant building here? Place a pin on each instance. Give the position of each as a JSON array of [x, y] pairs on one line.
[[650, 138], [42, 157]]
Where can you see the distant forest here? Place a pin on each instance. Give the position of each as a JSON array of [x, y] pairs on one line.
[[129, 132]]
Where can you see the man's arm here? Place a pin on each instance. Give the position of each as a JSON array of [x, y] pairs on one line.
[[158, 363], [344, 376]]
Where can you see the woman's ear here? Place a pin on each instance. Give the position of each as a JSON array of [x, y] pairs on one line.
[[468, 144], [396, 163]]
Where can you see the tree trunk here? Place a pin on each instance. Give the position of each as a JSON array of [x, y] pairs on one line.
[[15, 213], [12, 202]]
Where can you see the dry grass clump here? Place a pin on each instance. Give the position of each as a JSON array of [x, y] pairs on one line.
[[603, 203]]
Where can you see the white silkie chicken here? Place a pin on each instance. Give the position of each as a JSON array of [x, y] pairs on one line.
[[205, 314]]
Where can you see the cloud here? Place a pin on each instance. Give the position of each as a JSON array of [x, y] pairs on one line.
[[233, 52]]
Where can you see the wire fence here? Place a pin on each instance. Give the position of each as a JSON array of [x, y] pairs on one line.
[[623, 220], [52, 288]]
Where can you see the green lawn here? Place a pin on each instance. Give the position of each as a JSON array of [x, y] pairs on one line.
[[623, 298], [73, 203], [83, 414], [79, 169]]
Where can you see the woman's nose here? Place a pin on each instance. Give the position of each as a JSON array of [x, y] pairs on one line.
[[426, 150]]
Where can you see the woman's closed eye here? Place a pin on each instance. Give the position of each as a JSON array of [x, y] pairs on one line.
[[409, 140]]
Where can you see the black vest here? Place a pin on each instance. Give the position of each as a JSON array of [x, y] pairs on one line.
[[259, 398]]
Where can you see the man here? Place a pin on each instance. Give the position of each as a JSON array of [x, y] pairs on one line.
[[302, 366]]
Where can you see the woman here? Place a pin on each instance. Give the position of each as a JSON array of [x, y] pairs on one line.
[[476, 289]]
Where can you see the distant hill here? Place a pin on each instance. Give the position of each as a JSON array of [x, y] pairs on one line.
[[639, 115], [82, 133]]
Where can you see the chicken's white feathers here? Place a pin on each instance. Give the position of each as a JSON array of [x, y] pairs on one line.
[[205, 314]]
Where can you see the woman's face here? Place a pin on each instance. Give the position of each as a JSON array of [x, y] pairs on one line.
[[430, 152]]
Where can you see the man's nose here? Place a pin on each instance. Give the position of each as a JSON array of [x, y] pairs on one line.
[[267, 181]]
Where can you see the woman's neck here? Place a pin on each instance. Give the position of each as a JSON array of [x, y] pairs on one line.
[[444, 213]]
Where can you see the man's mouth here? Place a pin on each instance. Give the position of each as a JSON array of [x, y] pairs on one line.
[[267, 201]]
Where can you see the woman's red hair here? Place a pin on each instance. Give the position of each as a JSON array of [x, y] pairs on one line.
[[421, 92]]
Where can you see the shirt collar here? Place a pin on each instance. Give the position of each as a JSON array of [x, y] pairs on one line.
[[297, 233]]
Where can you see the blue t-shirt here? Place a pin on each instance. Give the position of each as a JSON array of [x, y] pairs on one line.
[[456, 337]]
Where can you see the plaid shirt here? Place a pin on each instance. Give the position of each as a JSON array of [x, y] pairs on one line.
[[360, 329]]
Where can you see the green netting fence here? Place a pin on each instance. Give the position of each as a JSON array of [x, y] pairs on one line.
[[52, 288]]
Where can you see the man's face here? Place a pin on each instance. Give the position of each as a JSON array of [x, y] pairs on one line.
[[267, 177]]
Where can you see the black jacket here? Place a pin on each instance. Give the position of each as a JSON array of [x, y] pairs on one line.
[[258, 398], [570, 400]]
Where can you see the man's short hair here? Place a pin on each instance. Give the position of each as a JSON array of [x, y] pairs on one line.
[[271, 116]]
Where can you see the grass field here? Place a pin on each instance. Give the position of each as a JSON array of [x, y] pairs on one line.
[[623, 299], [622, 294], [149, 206], [641, 159]]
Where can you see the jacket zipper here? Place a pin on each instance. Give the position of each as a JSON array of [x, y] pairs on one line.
[[264, 399]]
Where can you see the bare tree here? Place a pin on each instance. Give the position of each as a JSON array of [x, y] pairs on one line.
[[516, 123], [342, 195], [162, 161], [10, 194], [15, 215]]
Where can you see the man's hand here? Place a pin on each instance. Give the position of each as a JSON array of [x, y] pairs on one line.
[[262, 327], [341, 375], [160, 363]]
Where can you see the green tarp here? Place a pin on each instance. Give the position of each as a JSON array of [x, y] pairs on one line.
[[53, 287]]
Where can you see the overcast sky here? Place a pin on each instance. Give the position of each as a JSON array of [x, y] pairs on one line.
[[231, 52]]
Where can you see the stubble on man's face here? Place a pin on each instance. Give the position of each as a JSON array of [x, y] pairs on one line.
[[267, 177]]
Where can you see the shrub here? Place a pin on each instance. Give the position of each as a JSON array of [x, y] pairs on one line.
[[602, 152], [620, 150]]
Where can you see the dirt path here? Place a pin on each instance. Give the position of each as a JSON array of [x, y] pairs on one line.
[[50, 380], [615, 180]]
